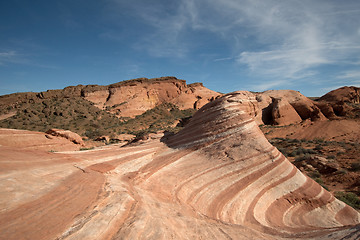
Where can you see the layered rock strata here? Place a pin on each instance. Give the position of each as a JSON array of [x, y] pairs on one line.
[[218, 178]]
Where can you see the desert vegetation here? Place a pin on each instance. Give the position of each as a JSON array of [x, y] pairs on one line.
[[334, 165], [81, 116]]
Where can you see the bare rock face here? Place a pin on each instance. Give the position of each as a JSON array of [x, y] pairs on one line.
[[134, 97], [327, 109], [344, 94], [125, 137], [127, 98], [71, 136], [305, 107], [218, 178], [280, 107], [340, 101], [283, 113], [266, 191], [31, 140]]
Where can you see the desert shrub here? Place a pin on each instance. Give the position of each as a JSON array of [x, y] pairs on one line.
[[300, 151], [85, 149], [355, 166], [319, 180], [302, 157], [292, 154], [283, 151], [314, 174], [349, 198], [318, 147], [310, 151], [319, 140], [341, 171], [279, 138]]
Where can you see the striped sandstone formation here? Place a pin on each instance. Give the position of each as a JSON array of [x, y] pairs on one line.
[[218, 178]]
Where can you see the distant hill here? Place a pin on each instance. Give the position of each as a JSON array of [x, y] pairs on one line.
[[126, 107]]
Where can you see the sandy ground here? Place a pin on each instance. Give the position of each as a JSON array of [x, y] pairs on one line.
[[335, 130]]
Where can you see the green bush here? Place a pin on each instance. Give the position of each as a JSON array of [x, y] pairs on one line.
[[349, 198], [314, 174], [85, 149]]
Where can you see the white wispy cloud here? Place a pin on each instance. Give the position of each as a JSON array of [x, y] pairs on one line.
[[15, 57], [167, 24], [8, 57], [275, 39], [268, 84], [350, 75]]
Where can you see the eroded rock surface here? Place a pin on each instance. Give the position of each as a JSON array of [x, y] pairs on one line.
[[127, 98], [283, 113], [218, 178], [343, 94], [31, 140], [71, 136]]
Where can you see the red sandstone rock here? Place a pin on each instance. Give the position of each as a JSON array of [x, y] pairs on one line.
[[125, 137], [283, 113], [218, 178], [344, 94], [305, 107], [71, 136], [293, 105], [35, 140], [327, 110], [134, 97]]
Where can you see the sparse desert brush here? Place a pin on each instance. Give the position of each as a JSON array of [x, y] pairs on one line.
[[314, 174], [349, 198], [355, 166], [85, 149]]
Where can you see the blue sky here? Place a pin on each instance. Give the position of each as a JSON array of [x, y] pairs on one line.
[[306, 45]]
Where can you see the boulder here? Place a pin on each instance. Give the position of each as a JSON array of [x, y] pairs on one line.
[[125, 137], [71, 136], [283, 113], [327, 109], [103, 139], [323, 165]]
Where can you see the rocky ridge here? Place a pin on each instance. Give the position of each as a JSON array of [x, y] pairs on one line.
[[127, 98], [285, 107]]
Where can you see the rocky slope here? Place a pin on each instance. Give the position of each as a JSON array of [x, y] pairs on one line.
[[94, 111], [134, 97], [218, 178], [343, 94], [127, 98]]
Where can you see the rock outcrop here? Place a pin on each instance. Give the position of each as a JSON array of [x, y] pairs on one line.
[[280, 107], [341, 102], [31, 140], [127, 98], [71, 136], [134, 97], [343, 94], [283, 113]]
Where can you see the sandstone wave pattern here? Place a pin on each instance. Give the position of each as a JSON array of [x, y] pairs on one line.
[[218, 178]]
